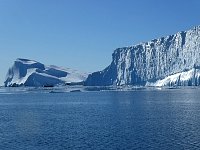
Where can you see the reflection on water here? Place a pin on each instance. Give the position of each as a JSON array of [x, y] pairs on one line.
[[140, 119]]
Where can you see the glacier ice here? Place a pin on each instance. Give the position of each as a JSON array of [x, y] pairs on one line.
[[32, 73], [171, 60], [186, 78]]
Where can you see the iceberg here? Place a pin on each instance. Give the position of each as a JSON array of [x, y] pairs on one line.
[[25, 72], [170, 60]]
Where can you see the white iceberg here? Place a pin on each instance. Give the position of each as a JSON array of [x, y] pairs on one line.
[[25, 72], [164, 60]]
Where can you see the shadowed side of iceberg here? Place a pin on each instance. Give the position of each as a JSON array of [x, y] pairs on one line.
[[38, 79]]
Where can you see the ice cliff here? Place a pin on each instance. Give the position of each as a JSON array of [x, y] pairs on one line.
[[171, 60], [26, 72]]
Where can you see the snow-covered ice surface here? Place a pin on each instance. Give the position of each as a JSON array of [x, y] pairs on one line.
[[187, 78], [174, 59], [25, 72]]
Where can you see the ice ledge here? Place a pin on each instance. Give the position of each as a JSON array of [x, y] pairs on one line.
[[186, 78]]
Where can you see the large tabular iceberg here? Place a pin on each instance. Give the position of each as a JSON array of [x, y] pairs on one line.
[[171, 60], [26, 72]]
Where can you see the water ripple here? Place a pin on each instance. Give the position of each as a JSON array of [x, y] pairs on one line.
[[162, 119]]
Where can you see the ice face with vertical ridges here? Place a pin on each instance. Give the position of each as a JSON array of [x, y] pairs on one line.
[[153, 61]]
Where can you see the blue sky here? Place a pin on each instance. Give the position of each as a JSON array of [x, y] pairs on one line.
[[82, 34]]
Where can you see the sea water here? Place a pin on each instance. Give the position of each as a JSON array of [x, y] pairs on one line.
[[138, 119]]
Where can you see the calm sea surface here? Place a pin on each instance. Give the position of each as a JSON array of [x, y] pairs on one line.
[[141, 119]]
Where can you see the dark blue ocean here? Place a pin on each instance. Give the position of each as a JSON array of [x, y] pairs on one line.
[[139, 119]]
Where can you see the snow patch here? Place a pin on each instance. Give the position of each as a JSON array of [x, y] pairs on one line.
[[191, 78]]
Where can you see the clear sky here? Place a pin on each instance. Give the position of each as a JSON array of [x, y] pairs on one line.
[[82, 34]]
